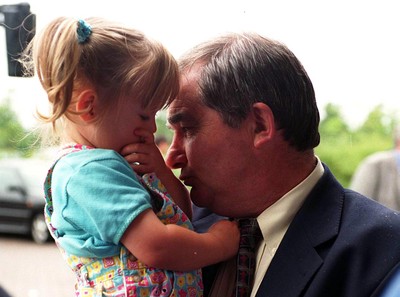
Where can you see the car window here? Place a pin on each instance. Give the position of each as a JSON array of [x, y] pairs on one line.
[[29, 174], [9, 180], [34, 176]]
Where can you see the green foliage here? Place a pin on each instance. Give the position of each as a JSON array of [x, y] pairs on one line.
[[162, 129], [343, 149], [14, 139], [333, 124]]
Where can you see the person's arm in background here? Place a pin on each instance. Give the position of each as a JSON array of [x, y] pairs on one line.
[[391, 287], [365, 178]]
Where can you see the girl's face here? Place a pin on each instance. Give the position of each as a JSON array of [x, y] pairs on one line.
[[117, 128]]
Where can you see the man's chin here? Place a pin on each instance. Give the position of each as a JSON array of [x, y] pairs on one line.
[[206, 200], [199, 198]]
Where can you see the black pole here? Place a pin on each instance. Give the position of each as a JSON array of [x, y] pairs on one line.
[[20, 26]]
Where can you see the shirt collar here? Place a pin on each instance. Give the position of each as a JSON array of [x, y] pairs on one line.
[[275, 220]]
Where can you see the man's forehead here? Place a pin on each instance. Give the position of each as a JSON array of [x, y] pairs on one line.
[[188, 102], [183, 109]]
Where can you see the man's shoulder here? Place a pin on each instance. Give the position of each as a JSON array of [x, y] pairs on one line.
[[354, 200], [363, 213], [352, 211]]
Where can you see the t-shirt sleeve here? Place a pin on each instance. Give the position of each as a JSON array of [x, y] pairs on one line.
[[104, 197]]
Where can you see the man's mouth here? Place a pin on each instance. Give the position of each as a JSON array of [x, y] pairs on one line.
[[187, 180]]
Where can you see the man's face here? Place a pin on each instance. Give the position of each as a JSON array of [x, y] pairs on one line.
[[213, 157]]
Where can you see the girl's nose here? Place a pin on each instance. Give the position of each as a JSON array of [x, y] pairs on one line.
[[153, 126]]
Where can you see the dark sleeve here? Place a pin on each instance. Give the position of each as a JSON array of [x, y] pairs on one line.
[[203, 218]]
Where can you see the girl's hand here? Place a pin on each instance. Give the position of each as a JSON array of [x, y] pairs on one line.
[[144, 157]]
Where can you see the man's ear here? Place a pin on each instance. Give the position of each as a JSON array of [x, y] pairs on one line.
[[85, 106], [264, 124]]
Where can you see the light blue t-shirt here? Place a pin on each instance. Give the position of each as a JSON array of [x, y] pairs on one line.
[[96, 196]]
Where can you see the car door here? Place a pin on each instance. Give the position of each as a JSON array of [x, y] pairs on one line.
[[14, 211]]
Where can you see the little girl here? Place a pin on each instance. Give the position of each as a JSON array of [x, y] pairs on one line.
[[119, 230]]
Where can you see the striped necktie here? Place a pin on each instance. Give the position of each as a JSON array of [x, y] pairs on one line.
[[250, 235]]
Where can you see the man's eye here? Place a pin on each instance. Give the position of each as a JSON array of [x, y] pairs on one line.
[[144, 117], [188, 131]]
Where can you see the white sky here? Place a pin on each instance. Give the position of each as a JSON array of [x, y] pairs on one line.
[[350, 48]]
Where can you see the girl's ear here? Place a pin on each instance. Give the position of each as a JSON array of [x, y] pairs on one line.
[[85, 106], [264, 123]]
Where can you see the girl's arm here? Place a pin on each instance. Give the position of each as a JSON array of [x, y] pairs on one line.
[[177, 248], [145, 157]]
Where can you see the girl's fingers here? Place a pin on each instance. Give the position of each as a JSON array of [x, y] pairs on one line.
[[141, 168], [135, 148], [129, 149], [137, 158]]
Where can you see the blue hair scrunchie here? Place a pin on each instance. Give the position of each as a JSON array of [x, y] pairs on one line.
[[84, 30]]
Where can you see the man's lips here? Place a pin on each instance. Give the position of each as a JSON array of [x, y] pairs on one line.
[[186, 179]]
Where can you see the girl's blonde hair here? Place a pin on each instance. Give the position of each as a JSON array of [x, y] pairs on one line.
[[115, 60]]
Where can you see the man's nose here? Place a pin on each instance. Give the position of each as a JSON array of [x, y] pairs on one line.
[[175, 157]]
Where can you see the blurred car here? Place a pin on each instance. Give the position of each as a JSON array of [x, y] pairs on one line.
[[22, 198]]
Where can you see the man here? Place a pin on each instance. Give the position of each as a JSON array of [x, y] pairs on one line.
[[245, 125], [378, 176]]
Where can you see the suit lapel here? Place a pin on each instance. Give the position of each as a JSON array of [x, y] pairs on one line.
[[290, 270], [301, 251]]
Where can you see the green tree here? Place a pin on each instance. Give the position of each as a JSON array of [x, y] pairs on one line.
[[335, 148], [342, 149], [374, 134], [377, 123], [333, 125], [14, 139], [162, 129]]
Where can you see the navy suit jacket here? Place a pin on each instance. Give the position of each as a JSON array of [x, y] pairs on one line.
[[339, 244]]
